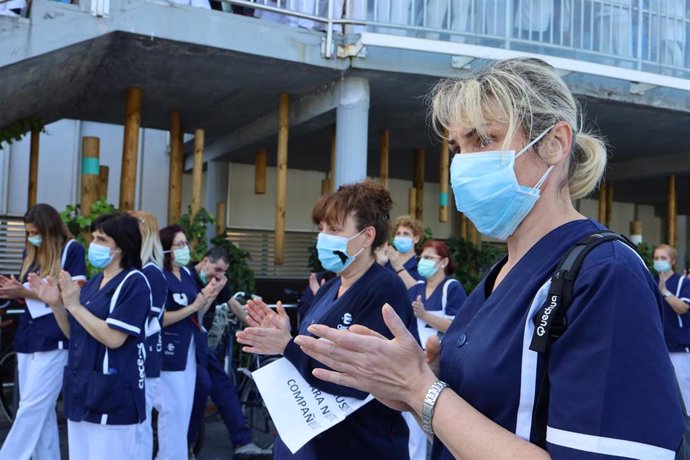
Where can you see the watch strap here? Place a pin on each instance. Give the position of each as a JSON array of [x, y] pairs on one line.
[[430, 404]]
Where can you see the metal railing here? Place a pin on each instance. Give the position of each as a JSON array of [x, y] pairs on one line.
[[646, 35]]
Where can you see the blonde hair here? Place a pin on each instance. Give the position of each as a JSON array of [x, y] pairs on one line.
[[409, 222], [48, 256], [525, 94], [151, 248], [668, 248]]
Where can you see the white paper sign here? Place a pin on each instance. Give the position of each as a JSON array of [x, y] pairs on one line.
[[425, 331], [300, 411], [36, 307]]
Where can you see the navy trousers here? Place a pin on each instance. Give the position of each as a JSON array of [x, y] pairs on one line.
[[214, 382]]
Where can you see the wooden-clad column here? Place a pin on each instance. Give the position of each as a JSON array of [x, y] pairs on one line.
[[609, 203], [602, 203], [412, 201], [462, 226], [103, 175], [33, 166], [385, 143], [130, 149], [260, 161], [220, 218], [90, 173], [197, 170], [419, 183], [281, 182], [636, 231], [443, 181], [176, 167], [671, 236]]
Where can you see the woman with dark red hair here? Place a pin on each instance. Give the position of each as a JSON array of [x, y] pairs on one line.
[[438, 298]]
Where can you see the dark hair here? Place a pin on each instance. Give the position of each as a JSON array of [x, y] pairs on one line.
[[369, 203], [442, 250], [167, 235], [124, 230], [217, 253]]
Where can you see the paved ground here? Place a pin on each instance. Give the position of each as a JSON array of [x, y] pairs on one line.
[[217, 445]]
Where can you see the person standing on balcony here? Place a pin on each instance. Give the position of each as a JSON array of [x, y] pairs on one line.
[[184, 343], [402, 257], [352, 222], [675, 290], [40, 344], [455, 15], [152, 268], [668, 31], [522, 156], [104, 387]]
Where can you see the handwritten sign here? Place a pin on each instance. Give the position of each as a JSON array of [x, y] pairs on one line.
[[300, 411], [36, 307], [425, 331]]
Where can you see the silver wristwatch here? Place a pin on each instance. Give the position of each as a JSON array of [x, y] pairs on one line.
[[430, 403]]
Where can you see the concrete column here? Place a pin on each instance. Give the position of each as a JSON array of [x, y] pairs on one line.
[[352, 123], [217, 182]]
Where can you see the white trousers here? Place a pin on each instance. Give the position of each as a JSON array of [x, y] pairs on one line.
[[146, 428], [34, 431], [681, 364], [90, 441], [417, 442], [177, 398]]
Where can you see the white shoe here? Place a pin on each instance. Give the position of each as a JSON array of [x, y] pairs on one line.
[[251, 449]]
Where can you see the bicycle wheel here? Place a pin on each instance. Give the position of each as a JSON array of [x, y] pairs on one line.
[[256, 413], [9, 385]]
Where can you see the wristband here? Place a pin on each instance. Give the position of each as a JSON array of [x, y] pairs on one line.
[[666, 293], [430, 404], [398, 271]]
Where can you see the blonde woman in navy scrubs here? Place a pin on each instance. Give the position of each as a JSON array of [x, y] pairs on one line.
[[40, 344], [152, 268], [184, 343], [104, 385], [522, 156]]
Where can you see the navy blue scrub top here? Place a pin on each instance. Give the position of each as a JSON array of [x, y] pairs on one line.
[[176, 337], [611, 379], [154, 343], [374, 431], [102, 385], [455, 296], [677, 327], [43, 333]]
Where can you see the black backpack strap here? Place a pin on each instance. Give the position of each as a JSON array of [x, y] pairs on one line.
[[550, 321]]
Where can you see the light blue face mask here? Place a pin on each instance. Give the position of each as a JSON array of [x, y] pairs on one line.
[[488, 193], [182, 256], [332, 251], [427, 268], [662, 266], [35, 240], [99, 255], [403, 244]]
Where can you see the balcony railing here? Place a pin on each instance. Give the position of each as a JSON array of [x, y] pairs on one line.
[[645, 35]]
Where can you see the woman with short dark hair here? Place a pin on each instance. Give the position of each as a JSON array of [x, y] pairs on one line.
[[103, 393], [352, 222]]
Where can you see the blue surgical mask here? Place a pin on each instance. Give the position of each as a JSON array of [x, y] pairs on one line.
[[427, 268], [403, 244], [662, 266], [182, 256], [35, 240], [488, 193], [332, 252], [99, 255]]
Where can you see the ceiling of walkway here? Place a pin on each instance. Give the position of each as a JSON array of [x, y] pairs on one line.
[[222, 91]]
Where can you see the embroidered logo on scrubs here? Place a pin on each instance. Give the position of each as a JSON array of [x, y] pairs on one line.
[[180, 298], [171, 347], [346, 321], [141, 359]]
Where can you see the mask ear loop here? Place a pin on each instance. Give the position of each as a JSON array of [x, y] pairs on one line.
[[537, 139]]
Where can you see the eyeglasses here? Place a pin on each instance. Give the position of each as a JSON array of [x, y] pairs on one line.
[[180, 245], [428, 257]]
